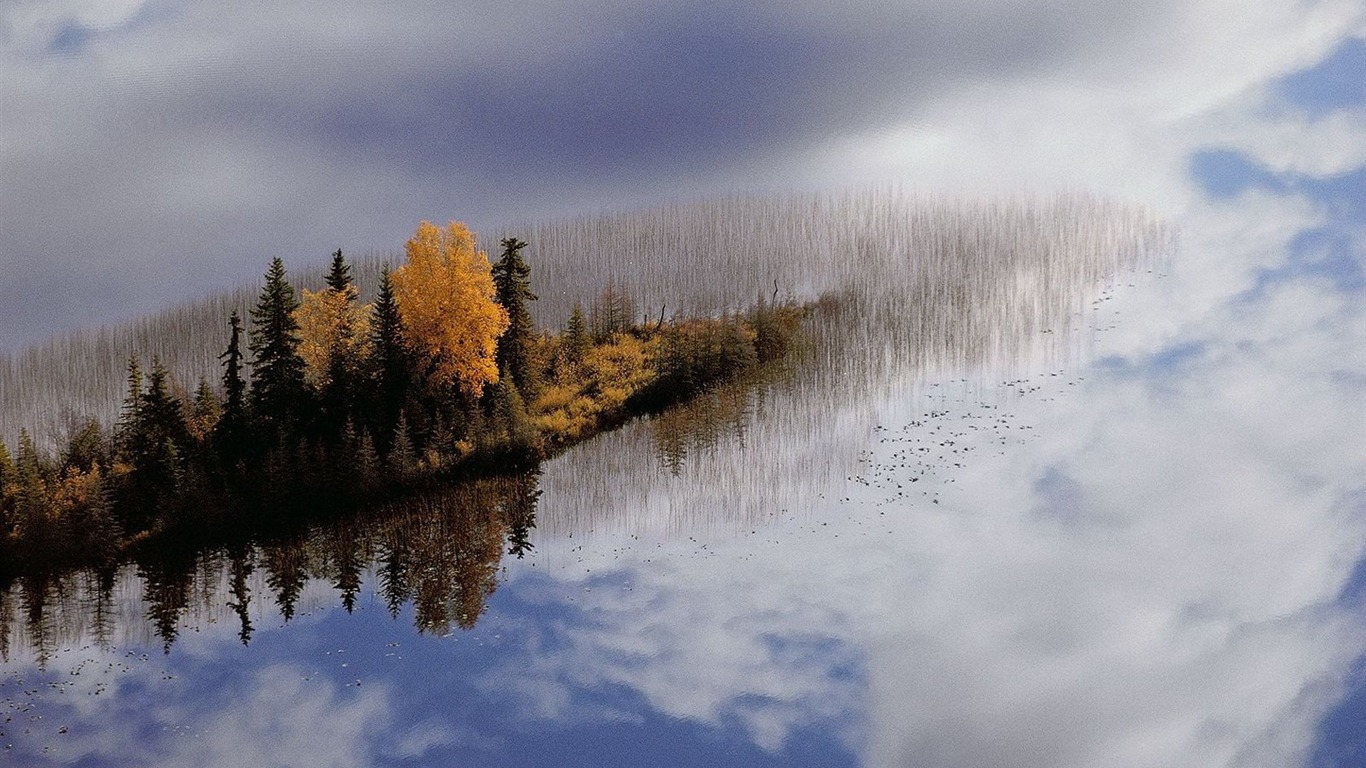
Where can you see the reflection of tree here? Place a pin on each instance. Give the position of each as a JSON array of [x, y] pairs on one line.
[[698, 424], [166, 592], [241, 562], [98, 605], [440, 550], [34, 593], [519, 510], [285, 574], [393, 573], [347, 559], [6, 619], [456, 543]]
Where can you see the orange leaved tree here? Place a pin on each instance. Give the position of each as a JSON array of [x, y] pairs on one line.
[[447, 303], [331, 325]]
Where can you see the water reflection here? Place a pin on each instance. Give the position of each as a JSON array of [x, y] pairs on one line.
[[439, 551], [1004, 552]]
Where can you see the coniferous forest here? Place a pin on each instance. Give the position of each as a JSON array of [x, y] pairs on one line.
[[325, 406]]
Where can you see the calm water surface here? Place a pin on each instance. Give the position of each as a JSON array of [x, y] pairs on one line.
[[1031, 555]]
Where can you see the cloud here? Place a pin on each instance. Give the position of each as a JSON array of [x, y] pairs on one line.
[[193, 142]]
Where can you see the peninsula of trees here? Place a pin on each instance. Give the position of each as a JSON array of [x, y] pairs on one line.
[[325, 404]]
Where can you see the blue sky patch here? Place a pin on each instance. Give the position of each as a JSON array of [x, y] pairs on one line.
[[1337, 82]]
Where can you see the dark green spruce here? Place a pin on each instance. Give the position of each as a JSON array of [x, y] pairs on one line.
[[278, 394]]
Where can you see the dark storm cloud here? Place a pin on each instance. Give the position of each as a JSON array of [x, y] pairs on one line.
[[190, 143]]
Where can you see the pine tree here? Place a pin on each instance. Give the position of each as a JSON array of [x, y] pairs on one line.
[[389, 361], [339, 275], [338, 393], [575, 343], [161, 435], [278, 396], [7, 470], [129, 412], [85, 447], [230, 433], [162, 417], [205, 412], [403, 456], [512, 424], [368, 466], [511, 280]]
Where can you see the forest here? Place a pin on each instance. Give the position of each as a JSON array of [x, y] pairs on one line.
[[326, 406]]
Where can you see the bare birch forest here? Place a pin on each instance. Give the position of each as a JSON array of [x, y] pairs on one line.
[[940, 283]]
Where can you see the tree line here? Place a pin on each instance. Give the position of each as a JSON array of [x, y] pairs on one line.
[[325, 404]]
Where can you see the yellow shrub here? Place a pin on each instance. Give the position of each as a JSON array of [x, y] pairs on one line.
[[553, 397]]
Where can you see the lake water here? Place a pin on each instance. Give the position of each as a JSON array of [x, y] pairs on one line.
[[960, 529]]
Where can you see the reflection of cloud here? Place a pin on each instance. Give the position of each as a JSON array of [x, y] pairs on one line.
[[277, 715], [1152, 578]]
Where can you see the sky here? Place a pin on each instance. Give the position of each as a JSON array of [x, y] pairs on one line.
[[156, 151]]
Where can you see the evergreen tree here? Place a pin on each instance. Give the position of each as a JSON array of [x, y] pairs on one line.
[[388, 358], [512, 425], [129, 412], [85, 447], [230, 433], [576, 342], [7, 471], [338, 394], [368, 465], [205, 411], [278, 395], [162, 418], [339, 275], [160, 436], [30, 498], [517, 344], [403, 456], [613, 312]]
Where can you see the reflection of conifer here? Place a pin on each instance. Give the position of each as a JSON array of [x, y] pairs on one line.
[[393, 573], [241, 564], [285, 575], [166, 591], [6, 621], [346, 554], [34, 591], [519, 511], [102, 615]]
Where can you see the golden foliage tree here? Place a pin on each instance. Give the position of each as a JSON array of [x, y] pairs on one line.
[[447, 302], [330, 322]]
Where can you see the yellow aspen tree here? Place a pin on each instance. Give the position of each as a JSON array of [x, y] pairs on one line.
[[448, 306], [330, 320]]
